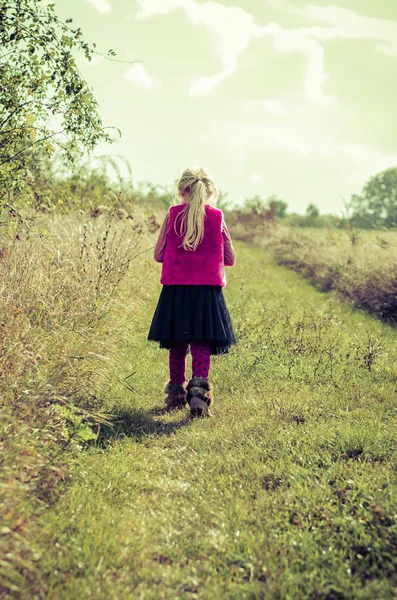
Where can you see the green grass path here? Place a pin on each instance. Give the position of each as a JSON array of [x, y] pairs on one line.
[[286, 493]]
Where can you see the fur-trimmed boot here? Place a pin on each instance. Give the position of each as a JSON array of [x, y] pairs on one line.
[[176, 396], [199, 397]]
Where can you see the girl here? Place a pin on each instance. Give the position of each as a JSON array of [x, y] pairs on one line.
[[194, 246]]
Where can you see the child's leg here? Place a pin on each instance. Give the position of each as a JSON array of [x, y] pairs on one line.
[[199, 390], [201, 358], [177, 361]]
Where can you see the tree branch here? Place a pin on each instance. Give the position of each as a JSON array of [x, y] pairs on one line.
[[7, 160], [6, 205], [127, 62]]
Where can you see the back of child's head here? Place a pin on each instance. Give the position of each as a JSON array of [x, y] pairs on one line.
[[197, 188]]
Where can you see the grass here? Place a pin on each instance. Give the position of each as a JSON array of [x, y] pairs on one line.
[[360, 265], [58, 338], [288, 492]]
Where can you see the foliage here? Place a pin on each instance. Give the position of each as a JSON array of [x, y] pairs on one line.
[[280, 206], [156, 195], [312, 211], [44, 101], [259, 206], [321, 221], [376, 207], [361, 268], [93, 189], [60, 332], [377, 204], [222, 202], [256, 205]]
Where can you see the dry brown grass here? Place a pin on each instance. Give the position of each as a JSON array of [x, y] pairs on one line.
[[58, 287], [360, 265]]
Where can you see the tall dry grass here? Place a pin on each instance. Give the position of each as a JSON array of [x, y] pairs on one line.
[[58, 284], [360, 265]]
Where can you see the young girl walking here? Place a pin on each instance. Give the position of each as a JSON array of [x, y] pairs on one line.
[[194, 246]]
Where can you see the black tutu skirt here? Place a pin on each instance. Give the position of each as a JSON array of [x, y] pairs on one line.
[[193, 313]]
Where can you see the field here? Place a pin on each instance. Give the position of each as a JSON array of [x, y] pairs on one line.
[[359, 265], [288, 492]]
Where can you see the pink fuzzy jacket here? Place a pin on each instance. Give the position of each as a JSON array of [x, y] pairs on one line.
[[205, 265]]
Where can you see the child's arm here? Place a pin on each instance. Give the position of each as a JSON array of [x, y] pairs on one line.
[[162, 240], [229, 253]]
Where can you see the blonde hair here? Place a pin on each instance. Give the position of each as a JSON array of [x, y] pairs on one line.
[[198, 187]]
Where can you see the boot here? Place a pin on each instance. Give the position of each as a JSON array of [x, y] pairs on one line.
[[176, 396], [199, 397]]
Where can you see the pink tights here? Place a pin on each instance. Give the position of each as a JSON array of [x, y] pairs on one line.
[[201, 353]]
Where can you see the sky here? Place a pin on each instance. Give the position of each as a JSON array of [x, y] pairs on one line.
[[283, 97]]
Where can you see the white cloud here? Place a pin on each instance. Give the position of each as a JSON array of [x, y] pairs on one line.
[[352, 25], [269, 105], [234, 28], [294, 39], [255, 178], [149, 8], [138, 76], [244, 137], [385, 49], [344, 24], [204, 85], [102, 6], [274, 107], [367, 161]]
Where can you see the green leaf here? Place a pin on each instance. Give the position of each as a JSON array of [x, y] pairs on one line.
[[85, 433]]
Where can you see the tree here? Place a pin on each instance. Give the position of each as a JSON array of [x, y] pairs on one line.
[[312, 211], [255, 205], [278, 206], [40, 81], [222, 201], [258, 206], [377, 203]]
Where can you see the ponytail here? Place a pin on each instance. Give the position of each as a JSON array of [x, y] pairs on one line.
[[199, 187]]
